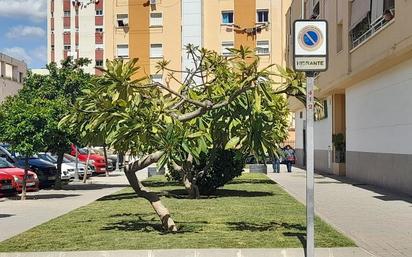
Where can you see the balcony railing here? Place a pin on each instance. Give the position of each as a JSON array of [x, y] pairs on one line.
[[375, 27]]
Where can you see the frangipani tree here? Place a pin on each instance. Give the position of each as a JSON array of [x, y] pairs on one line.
[[225, 102]]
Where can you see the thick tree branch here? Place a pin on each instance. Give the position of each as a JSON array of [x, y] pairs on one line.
[[144, 162]]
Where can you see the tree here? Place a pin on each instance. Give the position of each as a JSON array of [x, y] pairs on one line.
[[30, 119], [58, 90], [23, 124], [214, 107]]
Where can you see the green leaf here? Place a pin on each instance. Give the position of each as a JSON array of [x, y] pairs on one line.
[[196, 134], [232, 143]]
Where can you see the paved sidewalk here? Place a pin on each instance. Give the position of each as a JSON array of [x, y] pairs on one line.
[[18, 216], [377, 220], [289, 252]]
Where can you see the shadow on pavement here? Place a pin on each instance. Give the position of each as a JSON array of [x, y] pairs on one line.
[[43, 196], [384, 194], [6, 215], [87, 186]]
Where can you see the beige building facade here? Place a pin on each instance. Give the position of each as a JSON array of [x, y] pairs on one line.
[[366, 91], [12, 74]]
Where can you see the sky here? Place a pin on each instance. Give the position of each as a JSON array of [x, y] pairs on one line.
[[23, 30]]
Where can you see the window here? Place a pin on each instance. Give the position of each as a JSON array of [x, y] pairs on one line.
[[122, 51], [321, 111], [227, 17], [99, 63], [262, 47], [157, 78], [66, 13], [316, 11], [339, 37], [99, 30], [262, 16], [156, 19], [156, 50], [52, 14], [52, 47], [122, 20], [67, 47], [225, 46], [99, 12]]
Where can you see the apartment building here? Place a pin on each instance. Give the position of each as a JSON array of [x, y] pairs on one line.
[[76, 29], [12, 74], [366, 91], [160, 29]]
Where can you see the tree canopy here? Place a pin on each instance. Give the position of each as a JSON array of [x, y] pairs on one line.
[[223, 102]]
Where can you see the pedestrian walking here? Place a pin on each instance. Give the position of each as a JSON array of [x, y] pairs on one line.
[[289, 157], [276, 164]]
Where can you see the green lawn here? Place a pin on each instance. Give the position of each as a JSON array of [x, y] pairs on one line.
[[251, 212]]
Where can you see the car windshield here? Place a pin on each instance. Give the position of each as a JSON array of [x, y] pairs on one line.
[[5, 164], [47, 157], [69, 157], [86, 151]]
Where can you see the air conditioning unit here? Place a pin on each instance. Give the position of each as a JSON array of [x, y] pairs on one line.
[[153, 2]]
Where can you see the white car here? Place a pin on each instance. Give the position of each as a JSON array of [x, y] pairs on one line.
[[68, 167]]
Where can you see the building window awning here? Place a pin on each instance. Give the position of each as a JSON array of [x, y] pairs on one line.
[[360, 9]]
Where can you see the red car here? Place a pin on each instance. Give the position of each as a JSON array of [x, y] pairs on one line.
[[17, 174], [6, 184], [94, 159]]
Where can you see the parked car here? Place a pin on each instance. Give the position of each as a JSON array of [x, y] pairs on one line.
[[45, 171], [6, 184], [94, 159], [72, 159], [111, 158], [17, 175], [65, 169], [68, 167]]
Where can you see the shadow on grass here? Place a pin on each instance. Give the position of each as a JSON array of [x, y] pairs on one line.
[[261, 227], [301, 237], [181, 193], [235, 181], [252, 181], [123, 196], [153, 225], [161, 183]]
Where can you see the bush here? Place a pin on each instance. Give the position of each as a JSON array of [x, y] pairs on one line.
[[214, 170]]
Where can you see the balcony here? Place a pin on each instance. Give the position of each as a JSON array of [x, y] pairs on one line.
[[365, 29]]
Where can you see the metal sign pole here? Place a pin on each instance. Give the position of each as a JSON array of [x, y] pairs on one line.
[[310, 207]]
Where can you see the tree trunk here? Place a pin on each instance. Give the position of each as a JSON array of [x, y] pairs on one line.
[[87, 165], [105, 159], [26, 173], [190, 186], [141, 191], [58, 181], [153, 198]]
